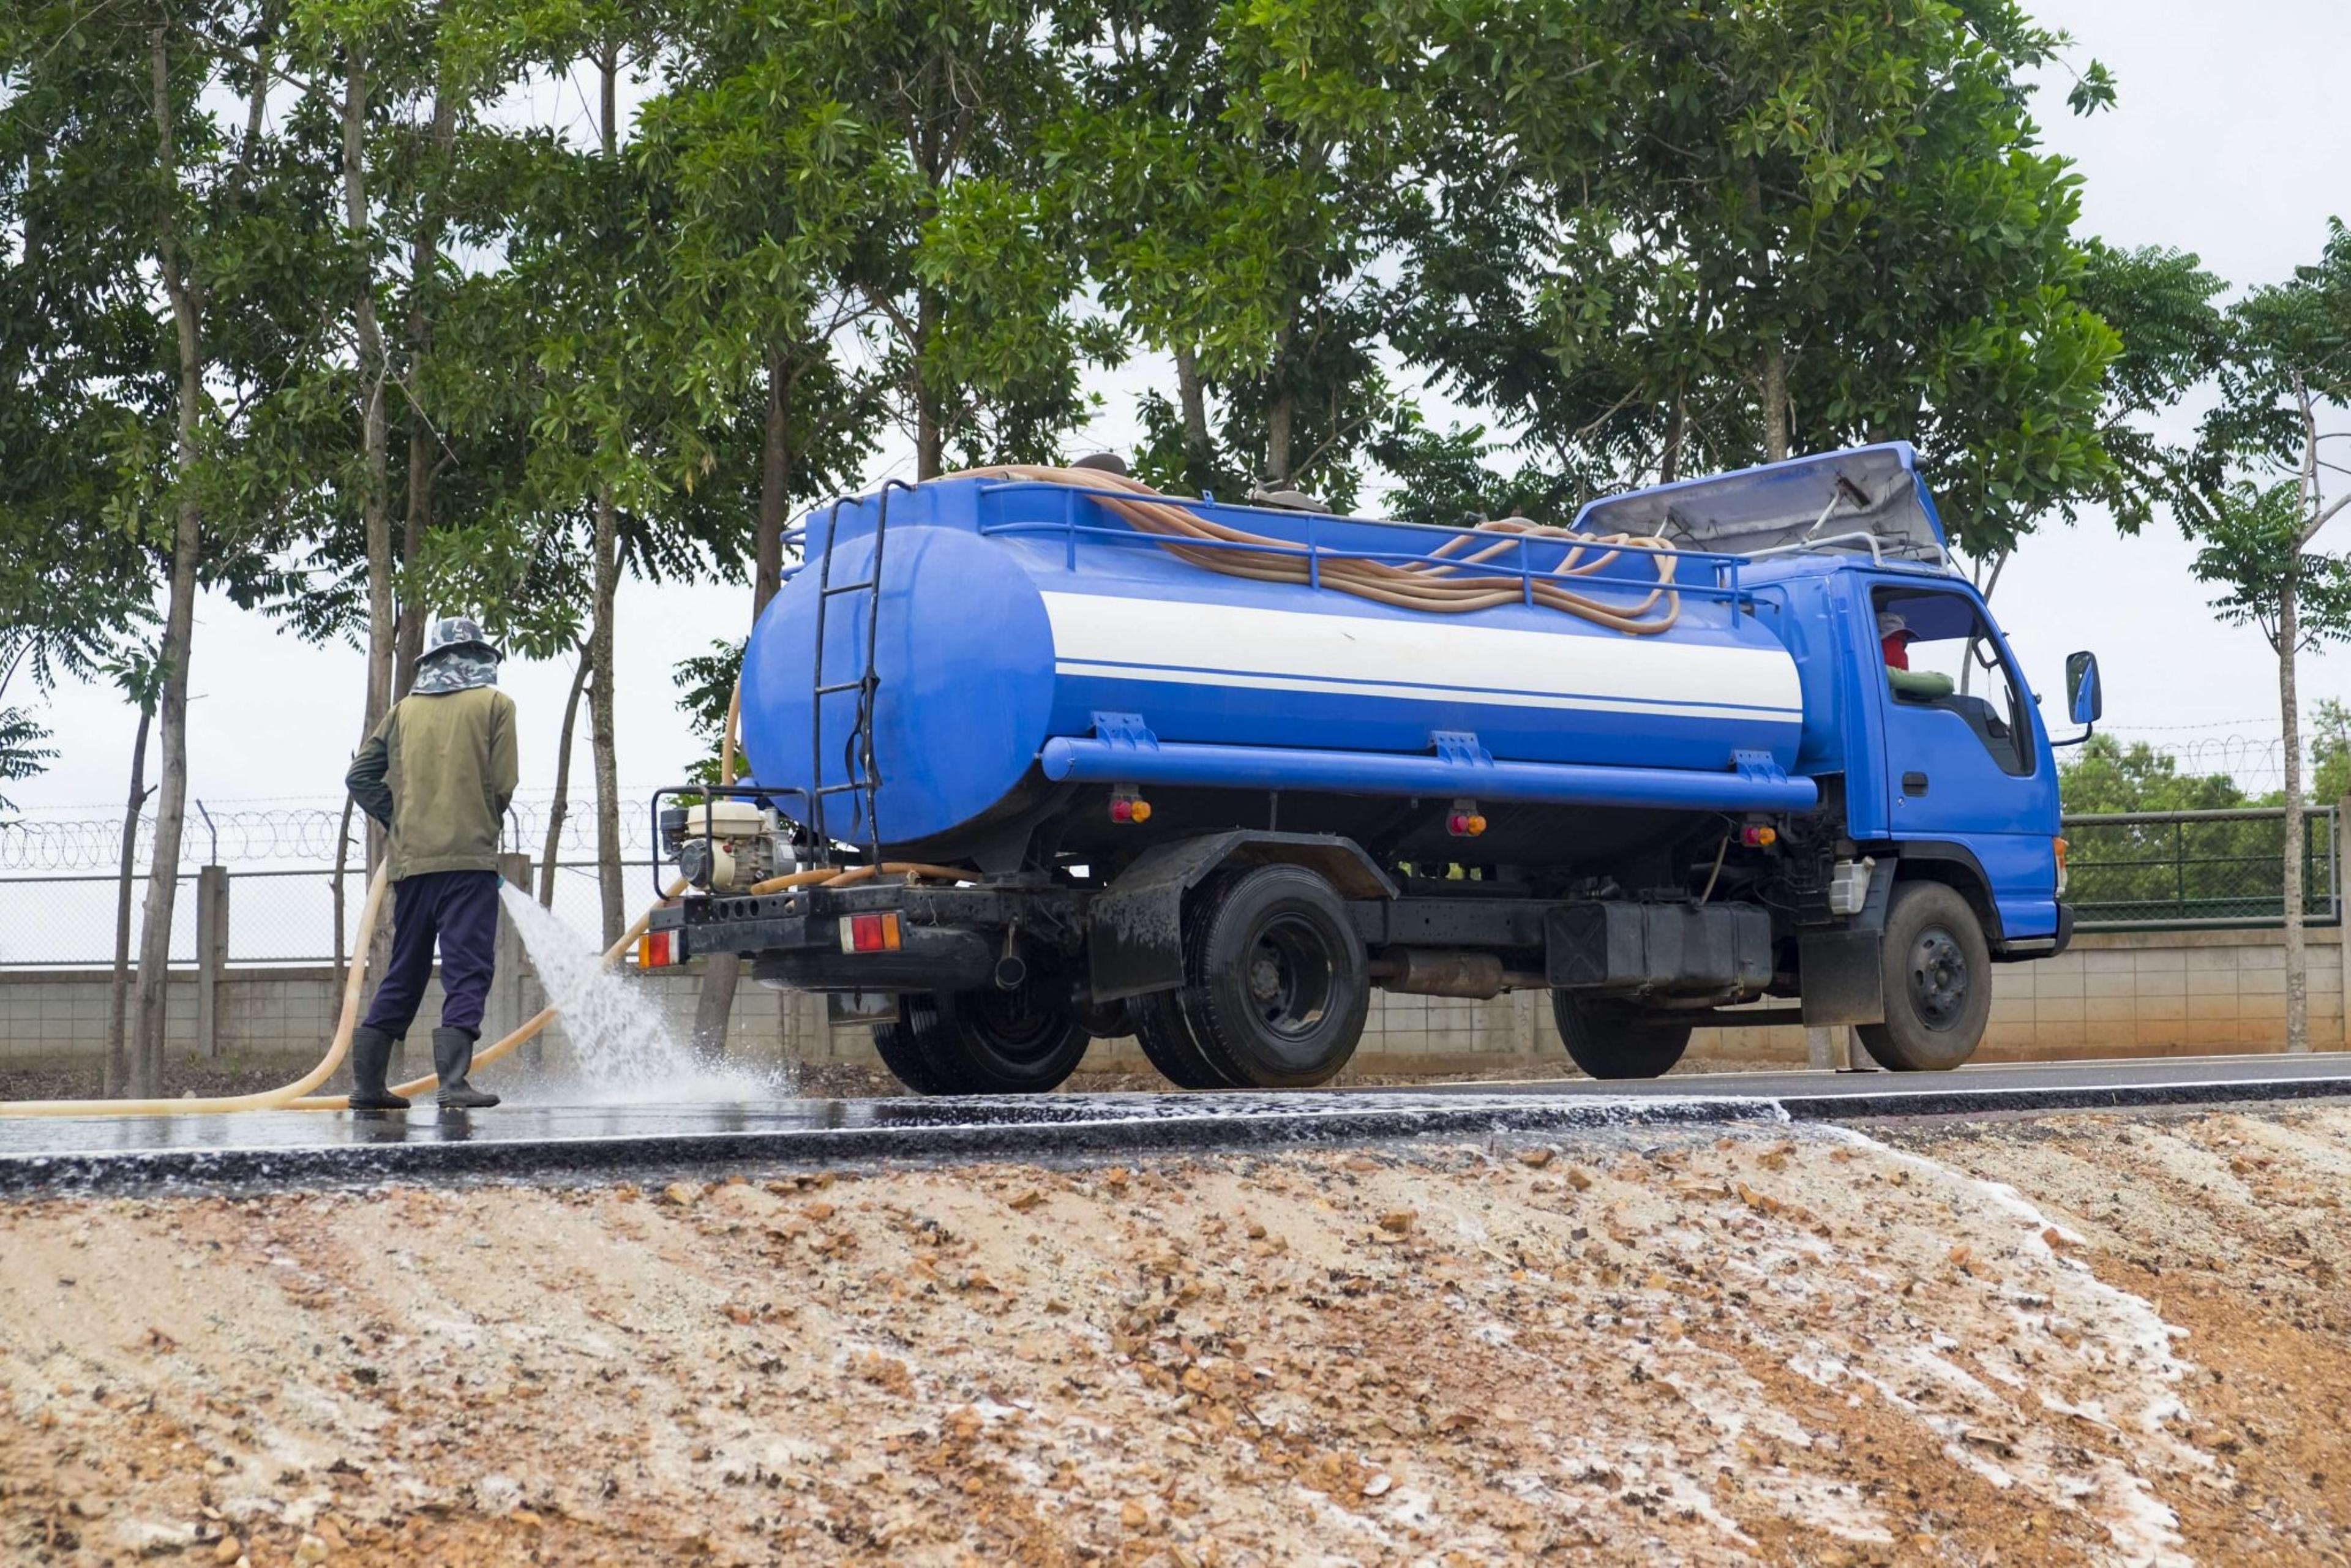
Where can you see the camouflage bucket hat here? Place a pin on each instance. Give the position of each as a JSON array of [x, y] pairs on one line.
[[456, 657], [456, 632]]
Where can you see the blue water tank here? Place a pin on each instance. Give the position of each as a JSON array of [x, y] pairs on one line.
[[1014, 612]]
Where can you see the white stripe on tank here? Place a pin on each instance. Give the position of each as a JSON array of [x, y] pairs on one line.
[[1430, 657]]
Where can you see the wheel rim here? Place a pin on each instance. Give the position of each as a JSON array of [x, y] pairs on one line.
[[1938, 977], [1288, 977], [1022, 1026]]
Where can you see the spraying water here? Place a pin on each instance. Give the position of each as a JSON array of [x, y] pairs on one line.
[[622, 1046]]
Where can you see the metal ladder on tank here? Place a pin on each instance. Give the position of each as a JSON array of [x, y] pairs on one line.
[[862, 777]]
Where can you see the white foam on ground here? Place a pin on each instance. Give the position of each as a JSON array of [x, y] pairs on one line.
[[623, 1050], [2135, 1336]]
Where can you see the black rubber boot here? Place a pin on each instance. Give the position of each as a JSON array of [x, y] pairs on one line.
[[452, 1058], [371, 1057]]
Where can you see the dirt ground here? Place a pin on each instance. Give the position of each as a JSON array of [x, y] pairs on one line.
[[1792, 1344]]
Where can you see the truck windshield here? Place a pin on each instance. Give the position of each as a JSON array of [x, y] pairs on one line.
[[1939, 653]]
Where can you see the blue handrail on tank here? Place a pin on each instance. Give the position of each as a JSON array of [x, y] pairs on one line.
[[1726, 567]]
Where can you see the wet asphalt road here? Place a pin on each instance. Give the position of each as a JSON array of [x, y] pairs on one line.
[[526, 1139]]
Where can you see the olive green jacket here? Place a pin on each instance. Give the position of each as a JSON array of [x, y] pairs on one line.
[[438, 772]]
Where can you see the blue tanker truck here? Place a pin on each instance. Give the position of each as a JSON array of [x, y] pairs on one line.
[[1039, 756]]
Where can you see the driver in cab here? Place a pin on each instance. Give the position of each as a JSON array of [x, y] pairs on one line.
[[1894, 640]]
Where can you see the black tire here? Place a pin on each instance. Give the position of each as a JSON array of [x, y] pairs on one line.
[[1937, 970], [895, 1044], [1616, 1041], [1277, 987], [1021, 1041], [1167, 1040]]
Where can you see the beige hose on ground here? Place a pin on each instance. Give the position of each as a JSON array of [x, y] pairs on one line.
[[1434, 583], [488, 1053], [264, 1099]]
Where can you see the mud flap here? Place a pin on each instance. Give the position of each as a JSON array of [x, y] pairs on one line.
[[1840, 972], [1134, 928]]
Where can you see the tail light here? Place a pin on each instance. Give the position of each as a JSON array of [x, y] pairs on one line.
[[870, 933], [659, 950], [2059, 846]]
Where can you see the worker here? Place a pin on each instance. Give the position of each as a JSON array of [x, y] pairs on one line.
[[437, 773], [1894, 640]]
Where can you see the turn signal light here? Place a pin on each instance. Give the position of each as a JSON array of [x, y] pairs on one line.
[[658, 950], [870, 934], [1129, 808], [1758, 837]]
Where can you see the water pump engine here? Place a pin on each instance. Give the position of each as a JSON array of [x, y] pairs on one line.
[[724, 846]]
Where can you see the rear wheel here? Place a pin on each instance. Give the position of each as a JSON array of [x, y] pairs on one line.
[[895, 1044], [1616, 1041], [1277, 988], [1167, 1040], [1025, 1041], [1937, 971]]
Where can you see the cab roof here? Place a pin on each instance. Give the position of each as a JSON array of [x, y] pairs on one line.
[[1865, 498]]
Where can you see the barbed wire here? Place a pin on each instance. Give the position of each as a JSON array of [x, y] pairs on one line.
[[299, 834]]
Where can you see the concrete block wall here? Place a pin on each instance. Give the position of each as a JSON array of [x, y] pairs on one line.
[[2137, 994]]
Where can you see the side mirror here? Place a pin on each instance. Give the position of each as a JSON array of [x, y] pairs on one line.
[[2084, 698]]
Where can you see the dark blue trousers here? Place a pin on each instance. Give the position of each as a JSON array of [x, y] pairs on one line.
[[460, 908]]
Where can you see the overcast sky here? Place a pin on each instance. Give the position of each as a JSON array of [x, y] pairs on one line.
[[2226, 142]]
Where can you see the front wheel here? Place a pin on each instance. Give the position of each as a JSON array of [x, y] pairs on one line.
[[1021, 1041], [1616, 1042], [1936, 968]]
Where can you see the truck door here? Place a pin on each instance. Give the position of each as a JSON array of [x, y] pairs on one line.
[[1965, 763]]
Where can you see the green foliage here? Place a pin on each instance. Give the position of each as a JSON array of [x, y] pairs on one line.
[[1738, 231], [2252, 548], [2330, 752], [706, 685], [2105, 775], [2229, 869]]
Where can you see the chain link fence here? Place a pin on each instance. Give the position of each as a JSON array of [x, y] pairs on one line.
[[2144, 871], [284, 904]]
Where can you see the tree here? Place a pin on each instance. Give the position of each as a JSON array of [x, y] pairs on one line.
[[2286, 368], [1233, 174], [967, 263], [1737, 232], [200, 234]]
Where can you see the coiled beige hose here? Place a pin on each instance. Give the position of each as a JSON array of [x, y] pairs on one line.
[[1438, 583]]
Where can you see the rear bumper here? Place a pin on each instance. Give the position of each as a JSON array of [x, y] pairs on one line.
[[950, 938]]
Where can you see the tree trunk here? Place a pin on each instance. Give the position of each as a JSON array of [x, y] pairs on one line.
[[146, 1065], [116, 1074], [2297, 959], [720, 977], [930, 441], [1775, 401], [775, 491], [561, 803], [1280, 425], [1192, 397], [602, 702], [374, 434], [423, 263], [1669, 463]]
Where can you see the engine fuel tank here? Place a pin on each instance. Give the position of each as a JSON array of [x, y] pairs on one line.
[[1012, 612]]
